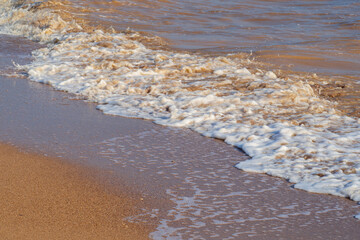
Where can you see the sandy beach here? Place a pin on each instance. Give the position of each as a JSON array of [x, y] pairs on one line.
[[44, 198]]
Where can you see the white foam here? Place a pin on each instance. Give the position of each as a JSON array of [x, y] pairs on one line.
[[281, 123], [23, 18]]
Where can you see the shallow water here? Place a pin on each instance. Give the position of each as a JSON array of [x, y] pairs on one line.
[[288, 123], [309, 37], [303, 33]]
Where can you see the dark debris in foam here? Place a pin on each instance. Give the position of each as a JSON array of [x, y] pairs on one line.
[[26, 4]]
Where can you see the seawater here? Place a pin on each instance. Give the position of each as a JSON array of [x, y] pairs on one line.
[[304, 33], [308, 36], [186, 68]]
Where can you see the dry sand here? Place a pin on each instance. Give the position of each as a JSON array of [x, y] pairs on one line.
[[44, 198]]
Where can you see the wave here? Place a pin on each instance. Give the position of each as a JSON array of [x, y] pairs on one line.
[[280, 121]]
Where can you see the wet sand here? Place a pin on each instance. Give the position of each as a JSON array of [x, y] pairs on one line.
[[45, 198]]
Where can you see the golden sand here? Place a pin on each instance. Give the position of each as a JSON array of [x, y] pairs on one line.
[[44, 198]]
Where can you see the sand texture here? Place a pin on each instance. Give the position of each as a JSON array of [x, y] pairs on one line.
[[43, 198]]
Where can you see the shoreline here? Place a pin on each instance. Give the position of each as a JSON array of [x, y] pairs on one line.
[[208, 196], [45, 198]]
